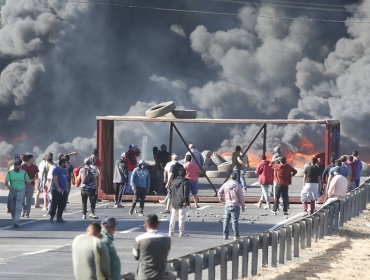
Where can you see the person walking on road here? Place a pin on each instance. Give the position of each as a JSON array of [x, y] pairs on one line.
[[170, 171], [231, 194], [108, 229], [283, 174], [88, 185], [151, 250], [120, 178], [39, 182], [90, 255], [59, 192], [179, 190], [192, 174], [266, 179], [32, 171], [131, 160], [140, 182], [163, 158], [311, 185], [18, 183], [198, 156], [359, 167], [239, 164]]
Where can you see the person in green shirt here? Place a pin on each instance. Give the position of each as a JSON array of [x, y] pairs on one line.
[[16, 181], [108, 230]]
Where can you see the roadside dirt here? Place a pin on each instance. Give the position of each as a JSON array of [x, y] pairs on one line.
[[343, 255]]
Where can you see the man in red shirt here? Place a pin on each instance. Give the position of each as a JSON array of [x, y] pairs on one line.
[[283, 177], [131, 160], [266, 177], [32, 171], [192, 174]]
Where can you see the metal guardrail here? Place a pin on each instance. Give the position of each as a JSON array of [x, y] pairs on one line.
[[251, 250]]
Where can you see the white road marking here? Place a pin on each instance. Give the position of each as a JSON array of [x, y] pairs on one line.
[[203, 207], [130, 230], [255, 184], [284, 222], [38, 252], [161, 220], [43, 219]]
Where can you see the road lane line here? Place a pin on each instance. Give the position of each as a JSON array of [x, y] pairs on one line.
[[284, 222], [255, 184], [46, 218], [38, 252], [203, 207], [130, 230]]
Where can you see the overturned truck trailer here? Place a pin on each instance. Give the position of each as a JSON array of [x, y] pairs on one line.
[[105, 142]]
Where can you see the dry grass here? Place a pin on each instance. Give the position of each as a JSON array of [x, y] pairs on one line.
[[343, 255]]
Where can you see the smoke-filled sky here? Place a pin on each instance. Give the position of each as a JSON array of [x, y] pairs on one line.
[[64, 63]]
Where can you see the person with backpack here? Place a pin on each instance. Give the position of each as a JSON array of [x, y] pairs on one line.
[[89, 181], [19, 187]]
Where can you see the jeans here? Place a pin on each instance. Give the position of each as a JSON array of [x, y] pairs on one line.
[[237, 172], [58, 201], [353, 185], [265, 194], [128, 189], [168, 196], [90, 194], [161, 188], [242, 178], [280, 189], [120, 189], [27, 203], [181, 212], [231, 212], [16, 199], [139, 195], [357, 182]]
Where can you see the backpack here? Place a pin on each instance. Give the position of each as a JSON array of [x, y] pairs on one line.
[[86, 176], [76, 171]]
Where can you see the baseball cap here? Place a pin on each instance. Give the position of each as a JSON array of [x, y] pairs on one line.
[[123, 155], [18, 162], [132, 146], [191, 146], [109, 222], [17, 156], [87, 161]]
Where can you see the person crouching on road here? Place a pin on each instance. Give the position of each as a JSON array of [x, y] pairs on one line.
[[231, 194], [120, 178], [179, 190], [18, 182], [89, 182], [140, 182]]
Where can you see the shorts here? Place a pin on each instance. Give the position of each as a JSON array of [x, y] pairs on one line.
[[193, 187]]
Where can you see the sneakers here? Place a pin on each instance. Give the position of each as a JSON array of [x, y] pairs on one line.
[[273, 212], [83, 217], [16, 225], [183, 234], [51, 220], [27, 215], [197, 206], [267, 206], [226, 237], [161, 201], [166, 212], [170, 234], [131, 211], [92, 215], [236, 237], [44, 209], [141, 214], [258, 204], [37, 206], [118, 206], [61, 221], [305, 213], [286, 213], [24, 213], [46, 215]]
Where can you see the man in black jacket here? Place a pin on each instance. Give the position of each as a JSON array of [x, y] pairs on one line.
[[179, 191], [325, 176], [120, 178]]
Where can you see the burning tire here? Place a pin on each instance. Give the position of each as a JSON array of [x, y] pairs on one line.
[[217, 174], [182, 114], [206, 154], [212, 166], [226, 166], [160, 109], [217, 159]]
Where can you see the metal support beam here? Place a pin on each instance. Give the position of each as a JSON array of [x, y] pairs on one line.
[[170, 144], [264, 138], [192, 156], [332, 142]]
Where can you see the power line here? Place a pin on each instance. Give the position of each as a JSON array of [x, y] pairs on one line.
[[207, 12]]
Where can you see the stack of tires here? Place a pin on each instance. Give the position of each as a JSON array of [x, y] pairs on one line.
[[169, 110]]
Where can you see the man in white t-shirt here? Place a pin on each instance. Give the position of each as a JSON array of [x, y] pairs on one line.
[[39, 182]]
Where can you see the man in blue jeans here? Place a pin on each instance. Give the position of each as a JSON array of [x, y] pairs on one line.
[[140, 182], [231, 194]]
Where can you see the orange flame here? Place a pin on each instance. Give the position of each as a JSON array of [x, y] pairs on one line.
[[307, 151], [16, 139], [2, 175]]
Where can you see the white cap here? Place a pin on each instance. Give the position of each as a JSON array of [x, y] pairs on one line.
[[174, 156], [191, 146], [123, 155]]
